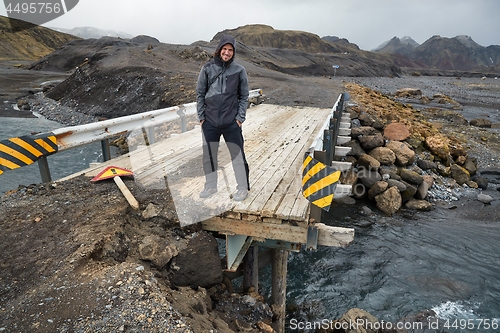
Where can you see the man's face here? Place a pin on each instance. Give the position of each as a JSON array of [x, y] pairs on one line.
[[226, 52]]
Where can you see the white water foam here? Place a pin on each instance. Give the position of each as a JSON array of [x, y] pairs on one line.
[[455, 310]]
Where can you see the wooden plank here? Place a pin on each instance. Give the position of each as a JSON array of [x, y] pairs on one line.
[[327, 235]]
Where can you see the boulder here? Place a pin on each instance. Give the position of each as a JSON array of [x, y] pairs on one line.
[[408, 93], [419, 205], [368, 142], [356, 315], [404, 154], [356, 149], [362, 131], [155, 249], [390, 170], [368, 177], [384, 155], [400, 185], [349, 177], [198, 264], [422, 190], [367, 119], [481, 182], [411, 176], [376, 189], [470, 165], [485, 198], [389, 201], [479, 122], [368, 162], [460, 174], [396, 132], [426, 164], [438, 146], [409, 192], [443, 170]]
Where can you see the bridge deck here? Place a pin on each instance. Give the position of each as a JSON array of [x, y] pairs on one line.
[[276, 138]]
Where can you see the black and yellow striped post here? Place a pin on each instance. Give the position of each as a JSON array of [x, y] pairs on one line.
[[26, 150], [319, 182]]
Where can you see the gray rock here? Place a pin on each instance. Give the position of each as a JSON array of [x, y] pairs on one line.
[[479, 122], [422, 190], [485, 198], [362, 131], [481, 182], [460, 175], [368, 142], [368, 177], [421, 205], [409, 192], [411, 176], [391, 170], [400, 185], [356, 149], [471, 165], [426, 164]]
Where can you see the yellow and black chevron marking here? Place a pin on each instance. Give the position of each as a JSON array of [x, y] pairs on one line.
[[25, 150], [319, 182]]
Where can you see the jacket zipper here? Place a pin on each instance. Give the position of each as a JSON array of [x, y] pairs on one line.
[[219, 120]]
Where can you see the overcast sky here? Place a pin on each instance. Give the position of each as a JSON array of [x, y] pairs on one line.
[[368, 23]]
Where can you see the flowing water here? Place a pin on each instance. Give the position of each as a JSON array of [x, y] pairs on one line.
[[444, 260]]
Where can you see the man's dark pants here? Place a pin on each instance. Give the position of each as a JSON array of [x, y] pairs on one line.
[[234, 139]]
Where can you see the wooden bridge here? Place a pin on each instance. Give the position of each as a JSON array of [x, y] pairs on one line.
[[276, 139]]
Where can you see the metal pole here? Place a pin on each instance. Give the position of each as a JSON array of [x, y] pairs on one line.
[[43, 166], [106, 153], [183, 120]]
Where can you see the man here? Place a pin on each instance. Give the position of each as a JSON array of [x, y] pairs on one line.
[[222, 100]]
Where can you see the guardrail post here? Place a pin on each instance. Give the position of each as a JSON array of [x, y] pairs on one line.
[[106, 153], [183, 120], [43, 166], [151, 135], [327, 146]]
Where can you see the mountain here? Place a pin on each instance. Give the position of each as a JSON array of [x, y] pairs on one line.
[[20, 40], [340, 41], [404, 46], [91, 32], [266, 36], [458, 53]]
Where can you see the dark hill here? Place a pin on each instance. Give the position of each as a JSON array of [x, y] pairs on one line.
[[267, 36], [21, 40]]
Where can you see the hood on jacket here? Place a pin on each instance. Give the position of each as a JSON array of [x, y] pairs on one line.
[[226, 39]]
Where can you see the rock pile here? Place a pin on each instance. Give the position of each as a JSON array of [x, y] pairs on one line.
[[396, 165]]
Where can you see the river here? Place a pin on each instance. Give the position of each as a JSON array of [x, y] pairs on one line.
[[399, 266]]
